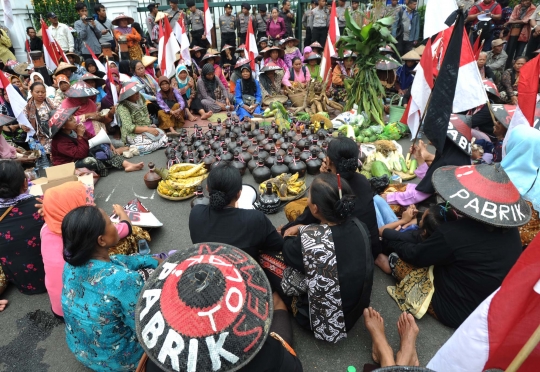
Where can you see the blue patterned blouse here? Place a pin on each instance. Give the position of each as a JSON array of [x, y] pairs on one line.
[[98, 300]]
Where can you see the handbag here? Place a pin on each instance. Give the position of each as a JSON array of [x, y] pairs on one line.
[[248, 100]]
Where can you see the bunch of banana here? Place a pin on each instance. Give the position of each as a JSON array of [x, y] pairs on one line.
[[285, 185], [182, 180]]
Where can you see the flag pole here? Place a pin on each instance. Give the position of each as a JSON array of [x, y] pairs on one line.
[[525, 351]]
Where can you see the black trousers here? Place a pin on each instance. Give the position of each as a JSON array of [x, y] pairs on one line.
[[532, 45], [261, 34], [404, 46], [242, 38], [196, 39], [84, 57], [319, 34], [307, 40], [342, 30], [228, 38]]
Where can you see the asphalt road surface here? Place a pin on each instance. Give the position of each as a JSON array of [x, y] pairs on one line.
[[33, 340]]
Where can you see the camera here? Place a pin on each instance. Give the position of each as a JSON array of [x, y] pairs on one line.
[[88, 19]]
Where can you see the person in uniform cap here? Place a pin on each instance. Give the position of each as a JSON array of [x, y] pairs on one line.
[[174, 12], [261, 19], [340, 13], [355, 12], [319, 20], [227, 24], [196, 20], [151, 19], [305, 22], [288, 17], [242, 22]]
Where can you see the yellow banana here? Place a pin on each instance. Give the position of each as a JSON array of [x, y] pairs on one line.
[[188, 173], [181, 167]]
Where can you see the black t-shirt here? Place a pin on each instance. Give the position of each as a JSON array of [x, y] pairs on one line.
[[271, 358], [364, 210], [249, 230], [470, 263], [351, 264]]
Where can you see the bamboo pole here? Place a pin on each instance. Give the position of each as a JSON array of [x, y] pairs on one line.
[[525, 351]]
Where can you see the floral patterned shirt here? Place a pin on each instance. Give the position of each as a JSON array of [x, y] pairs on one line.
[[98, 300]]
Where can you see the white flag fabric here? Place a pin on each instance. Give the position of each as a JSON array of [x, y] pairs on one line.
[[8, 13], [18, 103], [208, 23], [168, 47], [179, 30], [437, 11]]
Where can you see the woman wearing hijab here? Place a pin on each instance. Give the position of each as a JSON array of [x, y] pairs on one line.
[[214, 96], [37, 77], [186, 87], [17, 82], [405, 73], [247, 94], [228, 60], [522, 168], [107, 102], [342, 71], [92, 68], [171, 103], [38, 111], [63, 86], [150, 85], [196, 58], [96, 83], [214, 60], [132, 36]]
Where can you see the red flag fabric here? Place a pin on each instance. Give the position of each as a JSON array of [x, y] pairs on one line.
[[329, 47], [99, 65], [477, 48], [251, 45], [208, 23], [528, 88], [168, 48], [50, 53]]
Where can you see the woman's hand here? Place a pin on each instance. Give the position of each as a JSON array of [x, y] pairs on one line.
[[112, 111], [80, 129], [120, 212], [409, 214], [24, 128], [39, 206], [514, 100], [293, 231], [152, 131]]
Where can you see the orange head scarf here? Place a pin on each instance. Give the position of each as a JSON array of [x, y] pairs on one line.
[[60, 200]]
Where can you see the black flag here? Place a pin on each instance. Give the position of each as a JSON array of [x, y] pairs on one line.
[[442, 97]]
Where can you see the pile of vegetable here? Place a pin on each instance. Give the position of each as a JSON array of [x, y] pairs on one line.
[[280, 114], [387, 159]]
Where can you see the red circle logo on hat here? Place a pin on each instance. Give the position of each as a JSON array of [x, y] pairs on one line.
[[476, 183]]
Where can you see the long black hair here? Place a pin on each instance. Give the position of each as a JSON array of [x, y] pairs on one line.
[[343, 152], [436, 215], [36, 84], [224, 183], [81, 229], [11, 179], [324, 194]]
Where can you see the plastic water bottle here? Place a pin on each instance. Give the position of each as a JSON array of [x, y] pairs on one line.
[[144, 248], [42, 162]]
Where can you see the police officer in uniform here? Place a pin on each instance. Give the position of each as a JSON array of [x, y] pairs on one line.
[[320, 20], [261, 19], [340, 13], [305, 22], [227, 23], [196, 20], [173, 13], [355, 12], [242, 20]]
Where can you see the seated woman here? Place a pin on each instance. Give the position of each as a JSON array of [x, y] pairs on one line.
[[342, 71], [150, 85], [405, 73], [63, 86], [75, 60], [228, 60], [171, 115], [522, 169], [291, 51], [248, 95], [130, 34], [197, 53], [307, 51], [136, 126], [213, 223], [470, 256], [213, 94], [20, 257], [70, 144], [148, 63], [344, 253], [92, 68], [316, 48], [509, 82], [342, 159], [96, 83], [271, 84], [275, 55], [82, 96], [38, 111], [296, 73], [107, 101], [213, 60], [313, 64], [241, 51], [186, 86], [236, 74], [16, 82], [36, 77], [57, 203], [69, 71], [100, 292]]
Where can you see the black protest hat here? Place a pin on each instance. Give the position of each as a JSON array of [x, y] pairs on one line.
[[59, 117], [6, 120], [459, 131], [503, 113], [208, 306], [482, 192]]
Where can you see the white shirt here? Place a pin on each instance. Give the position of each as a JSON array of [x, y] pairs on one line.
[[63, 36]]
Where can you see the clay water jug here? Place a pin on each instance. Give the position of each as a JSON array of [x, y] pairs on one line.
[[278, 167], [252, 164], [200, 198], [297, 166], [239, 164], [151, 178], [271, 159], [314, 164], [261, 172]]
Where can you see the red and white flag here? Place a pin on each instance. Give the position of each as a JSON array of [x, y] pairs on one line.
[[18, 103], [208, 23], [168, 47], [527, 107], [8, 14], [251, 46], [331, 40], [436, 14], [50, 53], [496, 331], [179, 30], [112, 85], [99, 65], [420, 91]]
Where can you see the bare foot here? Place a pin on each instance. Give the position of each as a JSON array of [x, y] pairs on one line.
[[408, 331], [426, 155], [207, 115], [382, 262], [381, 351], [3, 304], [120, 150], [133, 167], [192, 118]]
